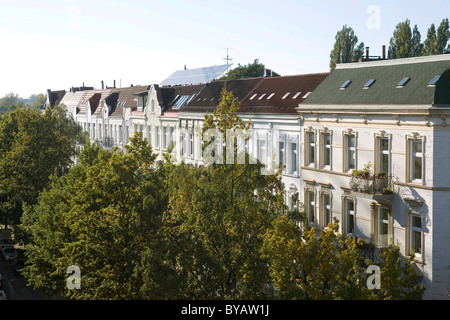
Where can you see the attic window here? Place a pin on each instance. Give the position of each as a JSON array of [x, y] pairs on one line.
[[434, 81], [403, 82], [262, 96], [296, 95], [286, 95], [271, 95], [369, 84], [306, 95], [253, 96], [345, 85]]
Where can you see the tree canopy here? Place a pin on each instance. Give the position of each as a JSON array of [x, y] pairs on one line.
[[250, 70], [346, 48]]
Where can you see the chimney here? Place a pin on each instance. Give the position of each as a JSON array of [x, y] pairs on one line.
[[103, 85], [367, 53], [383, 50], [114, 83]]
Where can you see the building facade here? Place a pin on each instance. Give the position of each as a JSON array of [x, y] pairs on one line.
[[365, 144]]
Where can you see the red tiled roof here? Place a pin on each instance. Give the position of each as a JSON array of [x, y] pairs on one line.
[[280, 94]]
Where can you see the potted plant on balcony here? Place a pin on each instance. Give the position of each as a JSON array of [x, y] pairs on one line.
[[381, 175]]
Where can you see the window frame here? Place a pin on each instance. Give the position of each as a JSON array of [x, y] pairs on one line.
[[411, 155], [346, 135], [323, 146], [308, 145]]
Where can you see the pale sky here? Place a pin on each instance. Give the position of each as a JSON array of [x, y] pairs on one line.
[[49, 44]]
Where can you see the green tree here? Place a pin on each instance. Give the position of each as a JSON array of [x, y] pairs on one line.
[[307, 264], [437, 41], [405, 42], [216, 220], [10, 102], [346, 48], [100, 216], [250, 70], [32, 147]]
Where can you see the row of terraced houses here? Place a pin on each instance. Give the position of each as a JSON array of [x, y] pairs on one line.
[[388, 117]]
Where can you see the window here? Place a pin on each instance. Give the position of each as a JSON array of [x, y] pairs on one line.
[[191, 144], [369, 84], [281, 155], [157, 137], [349, 210], [325, 147], [434, 81], [382, 160], [306, 95], [286, 95], [310, 205], [152, 106], [294, 157], [415, 159], [270, 96], [403, 82], [296, 95], [253, 96], [349, 153], [262, 96], [164, 137], [383, 226], [345, 85], [415, 241], [261, 150], [325, 205], [310, 148]]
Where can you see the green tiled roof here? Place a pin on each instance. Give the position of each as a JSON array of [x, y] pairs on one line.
[[387, 74]]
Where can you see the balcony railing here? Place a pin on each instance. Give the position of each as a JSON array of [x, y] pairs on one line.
[[371, 183]]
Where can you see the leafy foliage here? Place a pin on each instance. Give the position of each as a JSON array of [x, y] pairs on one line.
[[346, 48], [250, 70]]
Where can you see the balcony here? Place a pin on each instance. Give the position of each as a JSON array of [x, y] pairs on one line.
[[377, 187]]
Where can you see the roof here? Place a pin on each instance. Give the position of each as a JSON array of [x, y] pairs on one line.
[[281, 94], [385, 89], [259, 95], [208, 99], [176, 98], [195, 76], [121, 98]]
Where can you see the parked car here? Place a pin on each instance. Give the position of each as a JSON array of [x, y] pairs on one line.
[[9, 253], [5, 243], [18, 266]]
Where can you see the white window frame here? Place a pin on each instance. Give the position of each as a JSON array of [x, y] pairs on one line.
[[310, 146], [349, 213], [347, 150], [412, 230]]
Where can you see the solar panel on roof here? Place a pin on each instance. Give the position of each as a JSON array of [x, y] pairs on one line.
[[195, 76]]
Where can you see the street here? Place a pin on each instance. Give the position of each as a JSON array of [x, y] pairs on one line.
[[16, 287]]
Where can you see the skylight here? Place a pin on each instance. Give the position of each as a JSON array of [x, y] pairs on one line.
[[271, 95], [262, 96], [296, 95], [180, 102], [369, 84], [306, 95], [286, 95], [345, 84], [434, 81], [403, 82], [253, 96]]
